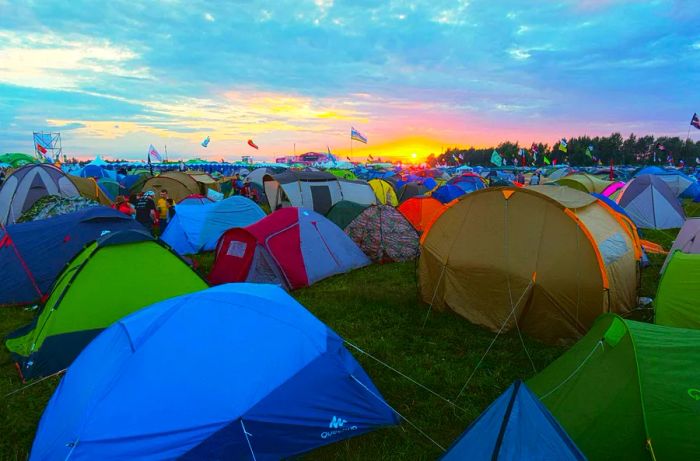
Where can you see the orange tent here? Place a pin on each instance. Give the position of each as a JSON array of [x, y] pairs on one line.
[[421, 211]]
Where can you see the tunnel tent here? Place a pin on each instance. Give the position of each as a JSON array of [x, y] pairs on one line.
[[503, 255]]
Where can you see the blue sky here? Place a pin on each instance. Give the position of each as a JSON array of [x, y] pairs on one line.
[[412, 76]]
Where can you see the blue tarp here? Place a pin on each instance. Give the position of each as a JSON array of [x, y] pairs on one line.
[[45, 246], [239, 371], [198, 228], [516, 426], [447, 193]]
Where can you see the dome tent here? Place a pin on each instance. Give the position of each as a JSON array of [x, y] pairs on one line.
[[384, 234], [86, 298], [281, 384], [292, 247], [28, 184], [651, 204], [343, 213], [421, 211], [627, 390], [501, 255], [179, 185]]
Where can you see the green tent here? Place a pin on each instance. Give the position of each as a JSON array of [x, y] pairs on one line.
[[584, 182], [344, 212], [112, 277], [628, 390], [343, 174], [17, 160], [677, 302]]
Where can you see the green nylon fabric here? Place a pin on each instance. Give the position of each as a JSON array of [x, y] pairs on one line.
[[113, 282], [625, 383], [344, 212], [677, 302]]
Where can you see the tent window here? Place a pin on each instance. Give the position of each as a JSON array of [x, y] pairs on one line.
[[321, 196], [236, 249], [613, 248]]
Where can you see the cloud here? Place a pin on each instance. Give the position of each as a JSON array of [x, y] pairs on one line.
[[209, 17]]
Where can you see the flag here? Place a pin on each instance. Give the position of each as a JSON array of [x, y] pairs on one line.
[[534, 148], [496, 159], [370, 157], [205, 143], [660, 146], [331, 157], [153, 153], [546, 161], [357, 136], [348, 159], [669, 159], [589, 151], [562, 145], [252, 144], [41, 148], [695, 121]]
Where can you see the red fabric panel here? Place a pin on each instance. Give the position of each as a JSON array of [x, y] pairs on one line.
[[229, 268]]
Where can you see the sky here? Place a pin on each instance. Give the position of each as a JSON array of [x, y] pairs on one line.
[[295, 75]]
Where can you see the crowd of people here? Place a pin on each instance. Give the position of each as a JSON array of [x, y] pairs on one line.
[[153, 214]]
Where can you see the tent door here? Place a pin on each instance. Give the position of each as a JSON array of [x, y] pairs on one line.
[[321, 196]]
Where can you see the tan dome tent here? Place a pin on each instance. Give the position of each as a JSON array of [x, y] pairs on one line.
[[179, 185], [88, 188], [584, 182], [552, 258]]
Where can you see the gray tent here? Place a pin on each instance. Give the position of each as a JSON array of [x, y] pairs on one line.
[[651, 204], [27, 185], [687, 241]]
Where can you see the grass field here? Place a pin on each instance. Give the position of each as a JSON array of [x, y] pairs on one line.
[[378, 310]]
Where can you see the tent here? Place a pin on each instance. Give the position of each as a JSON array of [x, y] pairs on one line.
[[384, 234], [91, 293], [468, 182], [292, 247], [51, 206], [677, 302], [198, 228], [28, 184], [314, 190], [89, 188], [411, 189], [584, 182], [681, 185], [195, 199], [93, 171], [627, 390], [651, 204], [504, 255], [33, 254], [516, 426], [343, 212], [421, 211], [384, 192], [611, 188], [447, 193], [16, 160], [343, 174], [687, 240], [179, 185], [238, 372]]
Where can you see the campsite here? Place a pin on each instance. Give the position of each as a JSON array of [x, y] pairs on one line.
[[452, 230]]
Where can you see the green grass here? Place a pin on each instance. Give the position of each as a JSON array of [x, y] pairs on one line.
[[378, 310]]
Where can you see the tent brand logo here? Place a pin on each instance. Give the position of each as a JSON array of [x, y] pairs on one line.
[[339, 426], [694, 394], [337, 423]]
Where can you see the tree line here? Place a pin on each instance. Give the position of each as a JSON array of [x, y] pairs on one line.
[[644, 150]]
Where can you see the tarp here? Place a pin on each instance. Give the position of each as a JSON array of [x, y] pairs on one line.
[[677, 302], [240, 371], [516, 426], [117, 274], [46, 246], [198, 228], [627, 390]]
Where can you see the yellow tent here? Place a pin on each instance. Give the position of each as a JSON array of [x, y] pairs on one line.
[[88, 188], [584, 182], [551, 258], [384, 191]]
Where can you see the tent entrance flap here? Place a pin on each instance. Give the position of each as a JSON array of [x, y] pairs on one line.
[[321, 196]]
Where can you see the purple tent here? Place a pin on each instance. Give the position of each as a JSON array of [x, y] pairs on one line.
[[651, 204]]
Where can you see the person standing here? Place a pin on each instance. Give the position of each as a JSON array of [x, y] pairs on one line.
[[146, 210], [123, 206], [162, 206]]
